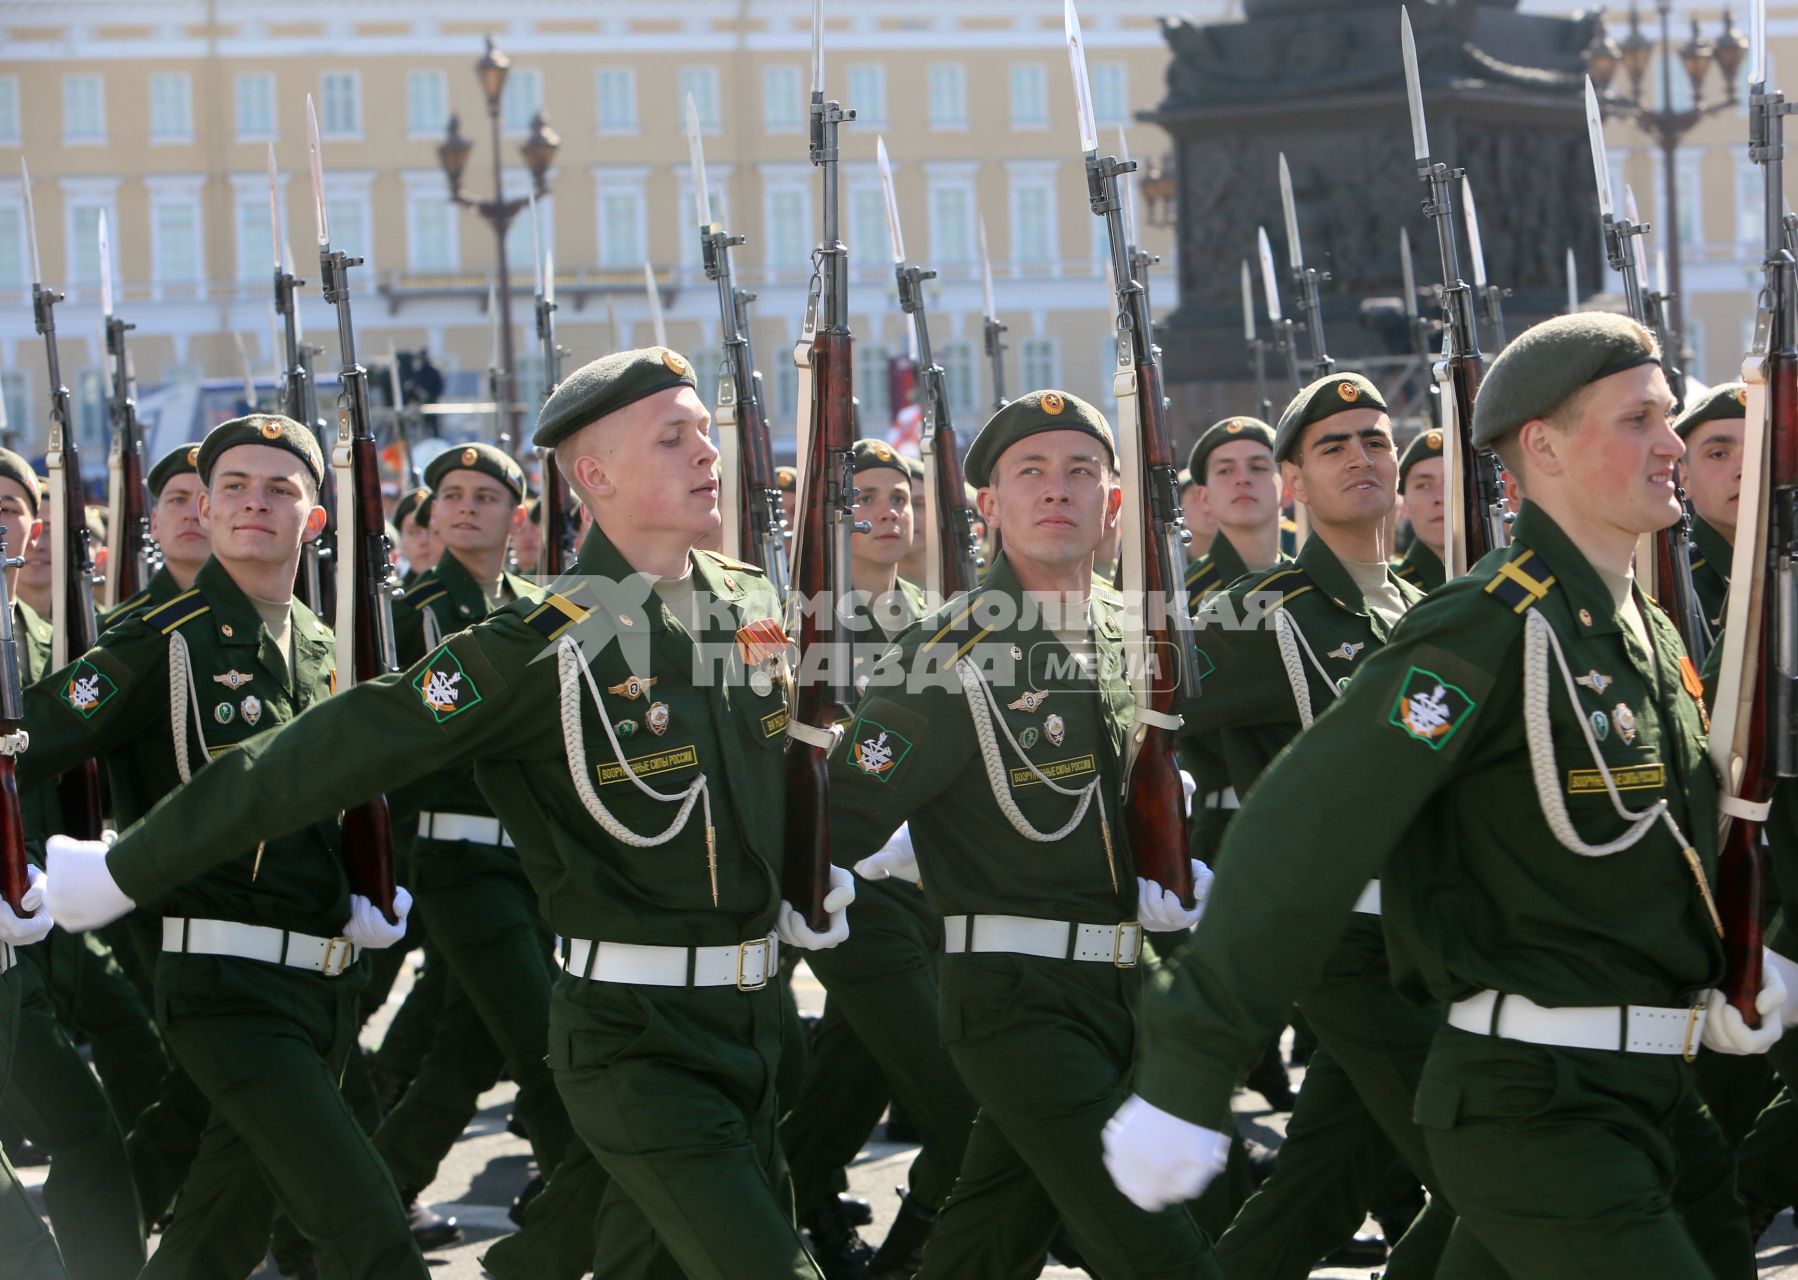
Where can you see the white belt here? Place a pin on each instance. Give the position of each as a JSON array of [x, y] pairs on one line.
[[1118, 944], [463, 826], [1225, 799], [1626, 1028], [329, 956], [747, 966], [1369, 901]]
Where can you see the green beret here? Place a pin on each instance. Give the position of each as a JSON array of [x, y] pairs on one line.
[[422, 516], [484, 458], [1224, 432], [1425, 444], [408, 504], [271, 429], [1337, 393], [19, 471], [607, 385], [1547, 363], [182, 460], [1030, 415], [1725, 400], [869, 454]]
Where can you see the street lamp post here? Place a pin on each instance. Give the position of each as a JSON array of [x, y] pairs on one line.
[[1667, 126], [539, 151]]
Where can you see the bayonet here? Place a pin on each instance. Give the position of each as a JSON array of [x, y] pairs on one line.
[[1306, 279], [1257, 348], [130, 550], [653, 292], [1286, 332], [1619, 233], [994, 332], [1491, 296], [299, 400], [1572, 282]]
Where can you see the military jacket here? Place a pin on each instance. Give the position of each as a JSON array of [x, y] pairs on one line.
[[1421, 567], [910, 753], [1427, 752], [873, 629], [492, 695], [1710, 572], [113, 702], [161, 588]]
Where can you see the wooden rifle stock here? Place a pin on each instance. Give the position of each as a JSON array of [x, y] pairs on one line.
[[15, 872], [128, 501]]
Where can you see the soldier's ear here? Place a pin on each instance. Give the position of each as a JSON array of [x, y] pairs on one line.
[[315, 524], [1293, 482]]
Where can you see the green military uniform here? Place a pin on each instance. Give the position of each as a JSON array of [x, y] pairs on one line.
[[26, 1248], [1513, 890], [1420, 566], [1711, 553]]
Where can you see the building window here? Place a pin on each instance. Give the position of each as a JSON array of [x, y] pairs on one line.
[[701, 84], [1032, 220], [873, 388], [255, 240], [427, 103], [340, 104], [431, 245], [951, 225], [521, 99], [349, 217], [1751, 219], [15, 271], [9, 111], [705, 373], [621, 225], [784, 101], [84, 242], [172, 107], [788, 222], [255, 106], [1037, 364], [786, 388], [957, 359], [176, 264], [1029, 96], [1111, 93], [692, 252], [83, 109], [15, 406], [868, 94], [870, 245], [617, 89], [518, 238], [948, 96]]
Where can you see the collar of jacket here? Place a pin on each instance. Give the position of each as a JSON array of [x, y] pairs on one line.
[[1586, 593], [1712, 545]]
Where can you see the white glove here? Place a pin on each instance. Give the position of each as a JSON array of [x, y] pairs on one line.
[[1726, 1031], [896, 860], [1787, 969], [1159, 909], [1157, 1159], [792, 929], [369, 929], [1190, 786], [79, 888], [35, 924]]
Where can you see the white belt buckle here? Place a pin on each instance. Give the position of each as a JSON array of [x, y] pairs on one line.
[[1128, 929], [743, 951], [1689, 1050], [332, 965]]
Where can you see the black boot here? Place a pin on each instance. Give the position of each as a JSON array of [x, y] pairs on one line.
[[840, 1251], [1367, 1250], [430, 1229], [294, 1261], [1063, 1249], [1269, 1079], [857, 1212], [902, 1252], [532, 1190]]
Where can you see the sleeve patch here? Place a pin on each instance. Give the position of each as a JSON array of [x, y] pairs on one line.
[[877, 750], [1429, 708], [88, 689], [445, 688]]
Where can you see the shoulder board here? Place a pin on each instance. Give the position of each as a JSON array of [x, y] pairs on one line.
[[420, 602], [957, 633], [1405, 573], [555, 615], [1203, 575], [183, 608], [1290, 581], [1522, 581], [126, 606], [423, 582], [725, 562], [1699, 560]]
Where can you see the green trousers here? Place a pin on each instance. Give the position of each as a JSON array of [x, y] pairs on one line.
[[883, 983], [1045, 1047], [98, 1003], [267, 1046], [166, 1135], [26, 1250], [837, 1103], [556, 1240], [1736, 1087], [673, 1091], [408, 1038], [1579, 1163], [53, 1098]]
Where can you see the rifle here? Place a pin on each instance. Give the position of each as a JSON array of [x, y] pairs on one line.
[[1671, 559], [1257, 348], [749, 495], [365, 585], [1305, 279], [952, 550], [15, 871], [826, 514], [299, 401], [1285, 329], [1754, 734], [1491, 296], [1418, 326], [1163, 669], [128, 545], [1654, 303], [558, 530], [992, 332], [71, 554], [1476, 505]]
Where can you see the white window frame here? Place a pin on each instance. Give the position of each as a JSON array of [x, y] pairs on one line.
[[783, 112], [351, 186], [1039, 342], [161, 132], [1036, 119], [78, 194], [692, 254], [1687, 169], [424, 187], [415, 129], [1750, 199], [329, 127], [238, 83], [630, 126], [253, 265], [70, 82], [183, 189], [711, 110], [957, 176], [786, 179], [515, 118], [9, 111], [1103, 112], [632, 180], [1020, 176], [16, 279], [954, 117], [861, 187], [518, 182], [870, 109]]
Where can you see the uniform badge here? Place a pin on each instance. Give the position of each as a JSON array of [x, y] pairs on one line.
[[677, 365], [1027, 739], [625, 728], [1434, 441], [1595, 681], [1429, 708], [251, 707], [1625, 720], [656, 718], [880, 751], [1348, 391], [271, 431], [234, 680], [224, 713], [1347, 650], [1601, 725], [1234, 426], [1055, 729], [88, 689], [1585, 617], [1052, 403], [1030, 701], [760, 641], [1688, 676], [470, 457], [632, 688], [444, 687], [763, 683]]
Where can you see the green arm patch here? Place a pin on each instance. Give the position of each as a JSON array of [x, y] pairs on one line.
[[444, 687], [88, 689], [1429, 708], [877, 750]]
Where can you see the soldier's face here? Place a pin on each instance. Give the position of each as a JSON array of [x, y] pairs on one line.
[[883, 499], [36, 572], [1713, 471], [22, 528], [1051, 497], [1242, 485], [474, 512], [415, 541], [175, 521], [1614, 467], [260, 507], [1346, 470], [1423, 502], [653, 469], [1198, 516], [527, 541]]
